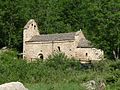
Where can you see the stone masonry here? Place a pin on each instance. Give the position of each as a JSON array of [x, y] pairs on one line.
[[73, 44]]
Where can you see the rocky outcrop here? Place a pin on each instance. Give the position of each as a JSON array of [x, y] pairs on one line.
[[90, 85], [93, 85], [13, 86]]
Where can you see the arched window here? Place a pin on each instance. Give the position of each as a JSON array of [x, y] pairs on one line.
[[86, 54], [59, 48], [40, 56]]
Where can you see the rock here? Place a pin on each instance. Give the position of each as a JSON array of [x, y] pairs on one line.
[[101, 85], [13, 86], [90, 85], [93, 85], [3, 48]]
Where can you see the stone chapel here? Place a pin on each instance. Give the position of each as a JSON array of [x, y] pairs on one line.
[[73, 44]]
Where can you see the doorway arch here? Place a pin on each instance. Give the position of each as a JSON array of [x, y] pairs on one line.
[[40, 56]]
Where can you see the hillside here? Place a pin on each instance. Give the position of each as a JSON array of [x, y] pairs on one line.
[[98, 19], [57, 72]]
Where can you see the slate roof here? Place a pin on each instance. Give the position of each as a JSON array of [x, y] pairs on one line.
[[53, 37], [61, 36], [84, 43]]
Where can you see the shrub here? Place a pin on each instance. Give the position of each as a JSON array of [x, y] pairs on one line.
[[57, 68], [61, 61]]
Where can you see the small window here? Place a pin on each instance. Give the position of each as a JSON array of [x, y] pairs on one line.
[[70, 49], [59, 48], [32, 24], [86, 54]]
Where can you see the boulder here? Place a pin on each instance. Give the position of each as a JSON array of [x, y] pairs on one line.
[[13, 86], [93, 85], [90, 85], [101, 85]]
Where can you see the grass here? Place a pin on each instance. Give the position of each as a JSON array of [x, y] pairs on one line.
[[55, 86], [57, 73]]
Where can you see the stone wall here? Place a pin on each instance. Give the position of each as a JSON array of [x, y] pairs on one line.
[[89, 54], [79, 35], [69, 47], [33, 49], [30, 30], [66, 47]]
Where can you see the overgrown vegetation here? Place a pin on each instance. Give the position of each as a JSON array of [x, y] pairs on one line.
[[98, 19], [56, 70]]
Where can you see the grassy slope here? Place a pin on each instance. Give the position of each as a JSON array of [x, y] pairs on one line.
[[55, 86], [58, 73]]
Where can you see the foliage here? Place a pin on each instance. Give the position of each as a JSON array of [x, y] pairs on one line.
[[104, 27], [61, 61], [57, 69], [99, 20], [55, 86]]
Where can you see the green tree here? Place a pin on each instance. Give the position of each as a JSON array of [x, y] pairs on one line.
[[98, 19], [11, 24], [102, 26]]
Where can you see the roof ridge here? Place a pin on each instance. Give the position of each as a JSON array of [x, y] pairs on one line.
[[57, 33], [53, 37]]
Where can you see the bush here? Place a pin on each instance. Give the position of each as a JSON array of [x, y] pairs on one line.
[[61, 61], [57, 68], [14, 69]]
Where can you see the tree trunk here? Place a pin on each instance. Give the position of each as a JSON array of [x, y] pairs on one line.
[[116, 53]]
